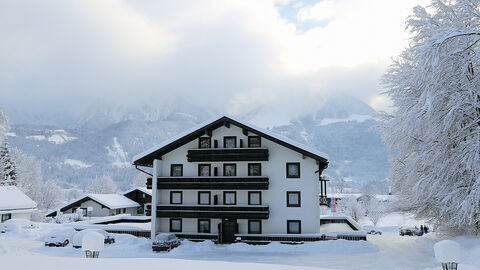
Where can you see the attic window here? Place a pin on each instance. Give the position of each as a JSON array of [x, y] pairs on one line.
[[229, 142], [204, 142], [293, 170], [254, 141]]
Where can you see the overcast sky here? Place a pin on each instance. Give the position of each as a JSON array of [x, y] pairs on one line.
[[235, 56]]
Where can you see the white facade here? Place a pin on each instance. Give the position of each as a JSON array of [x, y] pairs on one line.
[[275, 197]]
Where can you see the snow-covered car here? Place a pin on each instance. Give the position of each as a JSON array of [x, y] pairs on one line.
[[59, 237], [13, 225], [411, 231], [165, 242], [77, 238], [374, 232]]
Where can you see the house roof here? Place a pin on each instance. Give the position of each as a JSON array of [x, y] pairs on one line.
[[142, 189], [146, 158], [110, 201], [12, 198]]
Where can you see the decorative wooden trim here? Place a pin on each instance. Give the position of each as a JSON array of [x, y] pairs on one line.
[[207, 211], [211, 183], [299, 204], [225, 196], [209, 197], [286, 169], [227, 154], [299, 226], [254, 192], [176, 219]]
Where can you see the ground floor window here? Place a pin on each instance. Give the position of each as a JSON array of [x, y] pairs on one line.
[[175, 225], [204, 225], [255, 226], [294, 226], [84, 212], [6, 217], [118, 211]]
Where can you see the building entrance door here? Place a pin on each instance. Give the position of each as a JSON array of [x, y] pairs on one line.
[[227, 231]]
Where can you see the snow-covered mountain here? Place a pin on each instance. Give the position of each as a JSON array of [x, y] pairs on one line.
[[104, 140]]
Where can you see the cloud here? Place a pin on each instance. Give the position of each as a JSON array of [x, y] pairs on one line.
[[236, 56]]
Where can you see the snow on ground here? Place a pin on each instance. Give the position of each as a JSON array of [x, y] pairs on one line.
[[24, 250]]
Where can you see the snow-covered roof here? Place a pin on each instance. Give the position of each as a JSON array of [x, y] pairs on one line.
[[313, 152], [142, 189], [113, 201], [12, 198]]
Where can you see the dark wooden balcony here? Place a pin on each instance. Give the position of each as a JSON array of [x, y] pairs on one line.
[[227, 154], [212, 183], [211, 211]]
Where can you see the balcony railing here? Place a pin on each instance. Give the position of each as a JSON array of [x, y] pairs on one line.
[[227, 154], [211, 211], [212, 183]]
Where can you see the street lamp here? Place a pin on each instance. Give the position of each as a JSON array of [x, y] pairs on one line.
[[448, 253]]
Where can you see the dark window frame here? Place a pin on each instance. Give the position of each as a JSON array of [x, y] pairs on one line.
[[181, 224], [229, 137], [254, 137], [299, 204], [209, 168], [287, 172], [249, 226], [209, 225], [225, 195], [229, 164], [6, 217], [252, 164], [209, 197], [200, 142], [299, 226], [171, 169], [171, 197], [252, 192]]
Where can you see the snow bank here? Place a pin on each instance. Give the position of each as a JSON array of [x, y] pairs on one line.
[[93, 241]]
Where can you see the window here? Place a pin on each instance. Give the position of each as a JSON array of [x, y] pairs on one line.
[[84, 212], [6, 217], [176, 170], [204, 169], [254, 169], [176, 197], [293, 170], [254, 141], [293, 198], [254, 197], [255, 226], [124, 210], [229, 142], [204, 142], [204, 197], [294, 226], [118, 211], [204, 225], [229, 197], [229, 169], [175, 225]]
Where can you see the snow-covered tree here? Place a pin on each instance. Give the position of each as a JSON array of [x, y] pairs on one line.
[[351, 207], [435, 130], [50, 195], [140, 180], [102, 185], [375, 209], [7, 167], [29, 173]]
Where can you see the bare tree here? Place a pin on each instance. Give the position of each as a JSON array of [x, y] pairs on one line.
[[50, 195], [351, 207]]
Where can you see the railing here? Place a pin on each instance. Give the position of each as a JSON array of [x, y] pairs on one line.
[[212, 183], [227, 154], [211, 211]]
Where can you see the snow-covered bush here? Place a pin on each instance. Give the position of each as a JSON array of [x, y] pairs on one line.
[[434, 132]]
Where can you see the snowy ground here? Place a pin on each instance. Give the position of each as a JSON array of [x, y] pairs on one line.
[[24, 250]]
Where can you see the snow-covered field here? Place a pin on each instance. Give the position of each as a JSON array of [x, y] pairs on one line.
[[24, 250]]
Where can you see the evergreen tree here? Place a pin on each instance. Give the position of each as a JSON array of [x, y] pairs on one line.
[[8, 174]]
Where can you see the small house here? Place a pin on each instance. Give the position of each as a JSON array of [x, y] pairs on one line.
[[15, 204]]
